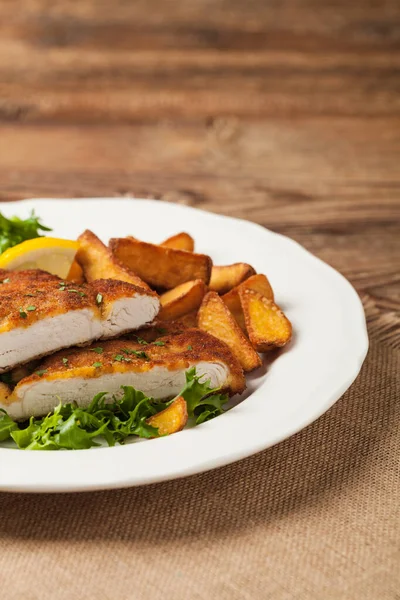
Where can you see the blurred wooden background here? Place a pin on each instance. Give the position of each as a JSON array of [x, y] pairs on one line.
[[284, 112]]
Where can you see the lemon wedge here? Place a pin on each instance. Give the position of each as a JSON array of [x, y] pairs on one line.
[[50, 254]]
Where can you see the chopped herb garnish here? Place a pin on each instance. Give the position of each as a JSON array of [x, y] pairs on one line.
[[97, 365], [99, 298], [65, 361], [76, 292], [159, 343], [161, 330], [139, 353], [190, 347], [22, 313], [15, 230], [6, 280], [31, 308], [141, 340], [98, 350], [120, 358], [41, 372]]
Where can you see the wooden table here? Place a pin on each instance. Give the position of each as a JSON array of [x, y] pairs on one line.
[[283, 112]]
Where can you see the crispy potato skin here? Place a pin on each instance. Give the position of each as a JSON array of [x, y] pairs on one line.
[[259, 283], [227, 277], [161, 267], [180, 241], [76, 273], [174, 354], [215, 318], [232, 302], [35, 288], [172, 419], [97, 262], [181, 300], [266, 324]]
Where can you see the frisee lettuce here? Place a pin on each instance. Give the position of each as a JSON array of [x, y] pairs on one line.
[[13, 231], [7, 425], [202, 401], [70, 427]]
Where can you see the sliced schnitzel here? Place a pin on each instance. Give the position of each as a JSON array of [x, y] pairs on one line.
[[157, 369], [40, 313]]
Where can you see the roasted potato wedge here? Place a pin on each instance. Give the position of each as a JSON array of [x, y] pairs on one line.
[[259, 283], [97, 262], [75, 273], [225, 278], [171, 419], [232, 301], [161, 267], [266, 324], [180, 241], [215, 318], [183, 299]]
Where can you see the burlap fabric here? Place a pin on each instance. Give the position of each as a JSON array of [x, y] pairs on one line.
[[316, 517]]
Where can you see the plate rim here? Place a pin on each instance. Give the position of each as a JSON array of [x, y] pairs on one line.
[[334, 394]]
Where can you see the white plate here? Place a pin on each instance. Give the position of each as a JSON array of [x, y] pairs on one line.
[[329, 345]]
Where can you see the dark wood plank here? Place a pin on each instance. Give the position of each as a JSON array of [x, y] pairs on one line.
[[148, 61]]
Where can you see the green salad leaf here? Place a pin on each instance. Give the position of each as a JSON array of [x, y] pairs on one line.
[[7, 425], [70, 427], [202, 401], [13, 231]]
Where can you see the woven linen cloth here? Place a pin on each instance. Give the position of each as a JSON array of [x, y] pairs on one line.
[[315, 517]]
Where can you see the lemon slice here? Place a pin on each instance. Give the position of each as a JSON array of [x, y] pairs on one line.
[[50, 254]]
